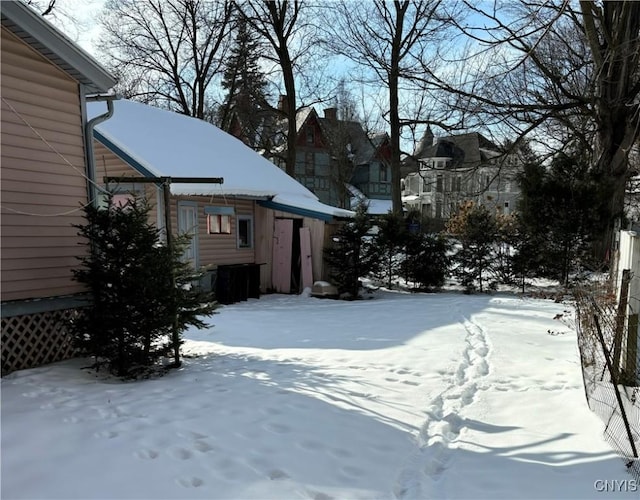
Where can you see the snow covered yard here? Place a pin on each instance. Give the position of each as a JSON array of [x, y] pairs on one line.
[[409, 396]]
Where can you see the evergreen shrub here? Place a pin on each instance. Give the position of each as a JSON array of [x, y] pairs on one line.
[[143, 294]]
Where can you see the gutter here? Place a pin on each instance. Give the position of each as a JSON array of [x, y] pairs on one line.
[[92, 187]]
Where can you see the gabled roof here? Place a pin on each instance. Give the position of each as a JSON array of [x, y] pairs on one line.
[[379, 138], [302, 116], [55, 46], [161, 143], [363, 147], [279, 128], [340, 132]]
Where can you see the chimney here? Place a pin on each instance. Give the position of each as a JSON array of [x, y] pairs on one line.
[[331, 113], [282, 104]]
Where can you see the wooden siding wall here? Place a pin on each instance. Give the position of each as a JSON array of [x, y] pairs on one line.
[[43, 183], [217, 249], [264, 228], [213, 249], [109, 164]]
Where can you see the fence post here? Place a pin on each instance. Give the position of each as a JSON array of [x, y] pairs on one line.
[[620, 321], [631, 363]]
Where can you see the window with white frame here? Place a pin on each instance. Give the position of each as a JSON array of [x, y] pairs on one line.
[[245, 231], [219, 224], [219, 219]]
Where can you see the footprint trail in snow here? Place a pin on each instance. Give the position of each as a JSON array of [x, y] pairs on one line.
[[437, 437]]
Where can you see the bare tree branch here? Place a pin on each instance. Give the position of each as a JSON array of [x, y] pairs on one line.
[[167, 52]]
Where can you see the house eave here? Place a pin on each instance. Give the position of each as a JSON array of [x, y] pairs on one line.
[[23, 22], [304, 212]]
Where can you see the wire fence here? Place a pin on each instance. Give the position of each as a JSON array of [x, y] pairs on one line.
[[608, 342]]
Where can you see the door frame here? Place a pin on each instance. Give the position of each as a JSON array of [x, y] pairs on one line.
[[195, 242]]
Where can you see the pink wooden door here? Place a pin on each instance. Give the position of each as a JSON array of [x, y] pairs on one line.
[[282, 246], [305, 258]]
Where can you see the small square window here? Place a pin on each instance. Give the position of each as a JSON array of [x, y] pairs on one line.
[[245, 231], [218, 224]]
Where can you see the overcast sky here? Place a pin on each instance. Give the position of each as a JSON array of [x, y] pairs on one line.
[[78, 19]]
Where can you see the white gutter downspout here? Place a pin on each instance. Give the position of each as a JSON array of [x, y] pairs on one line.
[[92, 184]]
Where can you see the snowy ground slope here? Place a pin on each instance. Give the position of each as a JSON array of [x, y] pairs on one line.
[[409, 396]]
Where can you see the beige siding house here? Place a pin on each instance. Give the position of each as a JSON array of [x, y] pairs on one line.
[[45, 79], [233, 224]]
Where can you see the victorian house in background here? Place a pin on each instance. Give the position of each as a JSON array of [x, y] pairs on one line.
[[444, 172], [335, 158]]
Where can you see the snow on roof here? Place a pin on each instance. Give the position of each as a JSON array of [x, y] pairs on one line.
[[379, 207], [411, 197], [163, 143], [302, 115], [374, 206]]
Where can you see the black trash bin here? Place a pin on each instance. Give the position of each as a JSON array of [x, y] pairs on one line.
[[237, 282]]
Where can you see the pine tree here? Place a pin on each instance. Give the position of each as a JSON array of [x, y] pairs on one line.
[[476, 229], [561, 211], [350, 257], [389, 243], [141, 290], [246, 85], [427, 260]]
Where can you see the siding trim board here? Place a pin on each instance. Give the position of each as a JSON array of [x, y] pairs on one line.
[[21, 307]]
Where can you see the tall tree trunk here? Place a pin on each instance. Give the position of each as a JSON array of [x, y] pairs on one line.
[[612, 30], [292, 132], [394, 112]]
